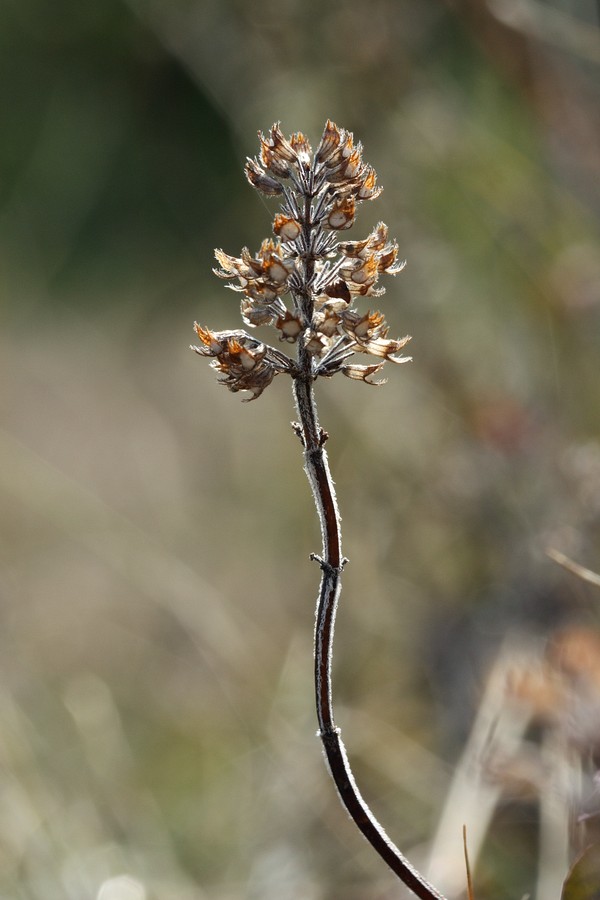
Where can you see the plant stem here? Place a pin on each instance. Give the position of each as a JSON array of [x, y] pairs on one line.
[[332, 562]]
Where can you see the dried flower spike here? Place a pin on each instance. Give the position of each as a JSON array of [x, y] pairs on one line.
[[291, 279], [306, 285]]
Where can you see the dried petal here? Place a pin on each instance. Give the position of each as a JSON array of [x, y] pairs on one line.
[[362, 373], [329, 142], [353, 164], [368, 189], [302, 147], [231, 266], [283, 148], [327, 322], [261, 293], [255, 314], [259, 179], [290, 327], [210, 342], [274, 153], [315, 343], [344, 149], [378, 237], [244, 357], [369, 326], [387, 260], [385, 348], [354, 249], [341, 214], [286, 228], [339, 290], [365, 273]]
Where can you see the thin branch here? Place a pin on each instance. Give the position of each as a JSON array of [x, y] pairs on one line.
[[470, 894], [571, 566]]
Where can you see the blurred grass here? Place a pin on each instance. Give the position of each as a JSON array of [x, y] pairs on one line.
[[156, 702]]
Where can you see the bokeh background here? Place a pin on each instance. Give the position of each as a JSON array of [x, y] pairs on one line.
[[157, 735]]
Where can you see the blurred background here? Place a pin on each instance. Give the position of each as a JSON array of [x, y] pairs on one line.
[[157, 733]]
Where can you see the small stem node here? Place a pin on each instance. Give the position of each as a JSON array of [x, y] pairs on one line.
[[297, 429], [327, 567], [329, 736]]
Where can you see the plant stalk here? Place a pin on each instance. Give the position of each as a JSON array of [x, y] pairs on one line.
[[332, 562]]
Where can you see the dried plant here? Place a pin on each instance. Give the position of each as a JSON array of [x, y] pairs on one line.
[[306, 283]]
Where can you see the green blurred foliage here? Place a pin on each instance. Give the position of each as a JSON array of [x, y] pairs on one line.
[[156, 598], [583, 882]]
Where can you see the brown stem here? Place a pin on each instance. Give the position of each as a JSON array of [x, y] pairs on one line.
[[332, 562]]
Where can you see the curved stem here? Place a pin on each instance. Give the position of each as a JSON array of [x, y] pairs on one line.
[[332, 562]]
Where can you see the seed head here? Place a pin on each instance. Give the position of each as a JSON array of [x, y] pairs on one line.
[[303, 282]]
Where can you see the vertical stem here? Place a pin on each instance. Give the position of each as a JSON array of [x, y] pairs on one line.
[[317, 469]]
